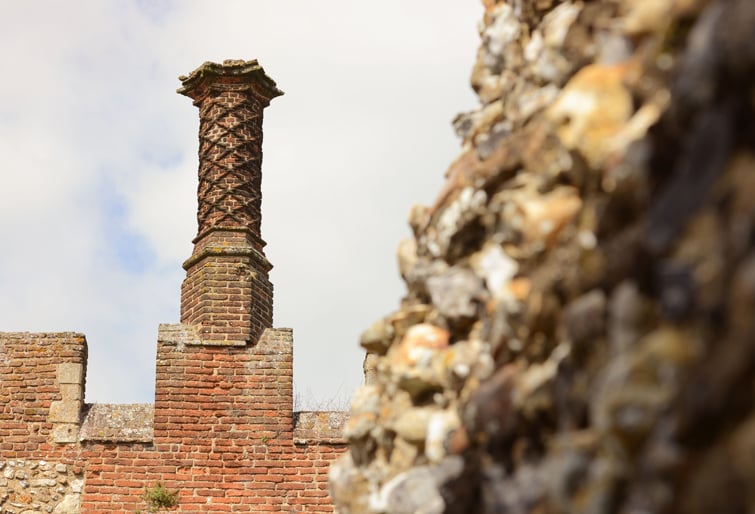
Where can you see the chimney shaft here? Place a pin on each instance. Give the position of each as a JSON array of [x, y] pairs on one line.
[[226, 295]]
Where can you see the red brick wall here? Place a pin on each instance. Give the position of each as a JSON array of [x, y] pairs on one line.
[[288, 479], [308, 472], [29, 386], [224, 434]]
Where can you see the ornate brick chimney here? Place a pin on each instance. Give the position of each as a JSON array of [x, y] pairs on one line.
[[227, 295]]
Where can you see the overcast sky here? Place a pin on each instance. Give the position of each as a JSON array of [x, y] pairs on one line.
[[99, 166]]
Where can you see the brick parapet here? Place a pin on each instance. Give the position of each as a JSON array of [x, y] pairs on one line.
[[43, 383], [250, 387], [42, 379], [221, 432]]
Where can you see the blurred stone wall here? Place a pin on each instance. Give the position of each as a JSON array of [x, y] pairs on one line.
[[578, 332]]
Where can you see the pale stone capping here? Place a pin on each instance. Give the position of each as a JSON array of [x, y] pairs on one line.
[[41, 335], [221, 251], [319, 427], [180, 334], [118, 423], [177, 334]]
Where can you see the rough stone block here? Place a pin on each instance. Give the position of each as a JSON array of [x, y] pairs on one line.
[[65, 411], [70, 373], [71, 504], [65, 433], [71, 391], [43, 482]]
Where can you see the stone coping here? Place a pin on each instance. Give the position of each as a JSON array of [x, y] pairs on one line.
[[41, 335], [178, 334], [246, 249], [119, 423], [181, 335], [224, 251], [129, 423], [319, 427]]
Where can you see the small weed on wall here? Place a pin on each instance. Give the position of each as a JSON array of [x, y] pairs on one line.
[[159, 498]]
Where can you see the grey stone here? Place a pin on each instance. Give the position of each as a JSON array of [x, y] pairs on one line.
[[77, 485], [411, 492], [43, 482], [412, 424], [71, 391], [65, 411], [71, 504], [378, 337], [64, 433], [585, 317], [70, 373], [456, 293]]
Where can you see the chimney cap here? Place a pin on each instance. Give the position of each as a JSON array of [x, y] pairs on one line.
[[231, 71]]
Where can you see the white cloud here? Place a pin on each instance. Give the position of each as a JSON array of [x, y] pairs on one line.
[[97, 208]]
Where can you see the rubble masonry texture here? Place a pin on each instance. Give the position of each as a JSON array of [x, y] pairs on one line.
[[578, 332], [221, 430]]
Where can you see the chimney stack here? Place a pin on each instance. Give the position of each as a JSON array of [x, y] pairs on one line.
[[227, 295]]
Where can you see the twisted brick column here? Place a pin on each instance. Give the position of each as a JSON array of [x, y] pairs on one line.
[[226, 295]]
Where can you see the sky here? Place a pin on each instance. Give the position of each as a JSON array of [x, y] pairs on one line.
[[98, 157]]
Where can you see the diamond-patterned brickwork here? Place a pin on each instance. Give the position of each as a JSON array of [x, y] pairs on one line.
[[230, 154], [230, 97]]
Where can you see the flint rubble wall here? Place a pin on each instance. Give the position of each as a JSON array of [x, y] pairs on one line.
[[578, 333]]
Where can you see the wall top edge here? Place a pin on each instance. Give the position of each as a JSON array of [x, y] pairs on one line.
[[41, 335]]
